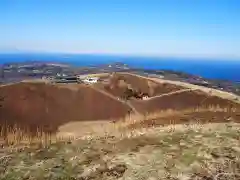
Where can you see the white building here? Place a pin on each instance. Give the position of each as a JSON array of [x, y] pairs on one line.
[[90, 80]]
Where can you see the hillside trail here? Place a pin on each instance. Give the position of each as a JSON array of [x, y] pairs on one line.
[[117, 99], [211, 91], [170, 93]]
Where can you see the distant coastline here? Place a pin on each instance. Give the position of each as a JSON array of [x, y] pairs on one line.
[[223, 70]]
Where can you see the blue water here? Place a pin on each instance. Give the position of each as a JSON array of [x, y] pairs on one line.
[[216, 69]]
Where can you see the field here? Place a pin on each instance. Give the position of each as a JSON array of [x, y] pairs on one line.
[[176, 152], [177, 134], [45, 106]]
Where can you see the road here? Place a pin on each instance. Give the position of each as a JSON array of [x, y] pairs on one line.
[[169, 94], [210, 91], [118, 99]]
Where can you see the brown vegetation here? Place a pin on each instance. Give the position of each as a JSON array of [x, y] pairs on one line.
[[184, 100], [208, 151], [132, 147], [197, 116], [47, 106], [120, 83]]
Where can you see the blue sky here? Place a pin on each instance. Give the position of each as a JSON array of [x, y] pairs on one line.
[[191, 28]]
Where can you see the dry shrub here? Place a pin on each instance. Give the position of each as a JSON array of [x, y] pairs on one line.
[[138, 118], [17, 136]]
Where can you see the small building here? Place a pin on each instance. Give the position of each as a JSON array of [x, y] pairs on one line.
[[90, 80], [67, 79]]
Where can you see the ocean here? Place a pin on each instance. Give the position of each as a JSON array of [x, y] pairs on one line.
[[214, 69]]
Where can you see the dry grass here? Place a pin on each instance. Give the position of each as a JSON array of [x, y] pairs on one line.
[[18, 137], [113, 152], [179, 152], [211, 91], [138, 118], [13, 136], [191, 151], [186, 152], [124, 127]]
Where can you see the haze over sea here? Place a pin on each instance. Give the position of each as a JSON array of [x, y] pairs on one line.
[[215, 69]]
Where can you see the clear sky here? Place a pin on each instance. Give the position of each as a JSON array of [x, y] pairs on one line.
[[195, 28]]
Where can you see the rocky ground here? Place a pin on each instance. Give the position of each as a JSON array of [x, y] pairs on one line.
[[195, 152]]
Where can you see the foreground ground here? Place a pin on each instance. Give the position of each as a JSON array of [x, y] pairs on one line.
[[192, 151]]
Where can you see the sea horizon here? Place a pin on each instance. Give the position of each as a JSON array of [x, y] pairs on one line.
[[208, 68]]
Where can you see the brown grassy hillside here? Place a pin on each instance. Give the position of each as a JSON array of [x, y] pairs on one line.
[[120, 81], [184, 100], [37, 104], [197, 116], [50, 106]]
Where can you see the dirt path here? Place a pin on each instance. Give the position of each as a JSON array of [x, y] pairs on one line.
[[171, 93], [117, 99], [210, 91]]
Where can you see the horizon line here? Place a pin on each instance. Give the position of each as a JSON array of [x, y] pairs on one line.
[[197, 57]]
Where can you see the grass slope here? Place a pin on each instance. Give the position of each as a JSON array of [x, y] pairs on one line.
[[33, 105], [174, 152]]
